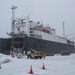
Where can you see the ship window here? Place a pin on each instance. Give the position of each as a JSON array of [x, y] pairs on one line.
[[31, 34], [31, 28], [31, 31]]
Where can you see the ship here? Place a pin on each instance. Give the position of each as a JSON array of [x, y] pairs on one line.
[[27, 34]]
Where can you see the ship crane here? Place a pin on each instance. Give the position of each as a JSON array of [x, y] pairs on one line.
[[71, 36]]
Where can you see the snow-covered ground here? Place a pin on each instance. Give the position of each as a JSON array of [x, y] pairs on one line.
[[55, 65]]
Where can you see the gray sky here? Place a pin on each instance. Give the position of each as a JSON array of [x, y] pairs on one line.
[[52, 12]]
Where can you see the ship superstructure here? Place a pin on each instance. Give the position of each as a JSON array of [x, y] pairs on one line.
[[24, 27]]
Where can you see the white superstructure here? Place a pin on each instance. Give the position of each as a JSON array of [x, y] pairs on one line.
[[37, 30]]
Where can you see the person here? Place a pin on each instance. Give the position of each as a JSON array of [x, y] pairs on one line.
[[44, 55], [28, 53]]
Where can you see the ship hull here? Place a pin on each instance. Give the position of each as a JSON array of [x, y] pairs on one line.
[[5, 44], [48, 47]]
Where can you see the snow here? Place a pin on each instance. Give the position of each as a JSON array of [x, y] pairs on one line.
[[55, 65]]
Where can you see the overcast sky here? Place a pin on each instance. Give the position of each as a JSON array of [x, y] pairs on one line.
[[52, 12]]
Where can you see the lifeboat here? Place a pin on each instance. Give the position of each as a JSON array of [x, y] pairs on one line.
[[45, 30]]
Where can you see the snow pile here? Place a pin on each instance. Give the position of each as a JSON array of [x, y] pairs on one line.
[[55, 65], [4, 58]]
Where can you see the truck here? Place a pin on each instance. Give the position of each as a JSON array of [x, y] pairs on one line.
[[33, 54]]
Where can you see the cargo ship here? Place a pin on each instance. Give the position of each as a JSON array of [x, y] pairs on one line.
[[26, 35]]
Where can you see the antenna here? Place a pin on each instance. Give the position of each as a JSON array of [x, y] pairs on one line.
[[13, 17], [63, 30]]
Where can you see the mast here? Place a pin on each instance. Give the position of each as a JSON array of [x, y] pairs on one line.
[[13, 25], [63, 29], [27, 26], [13, 18]]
